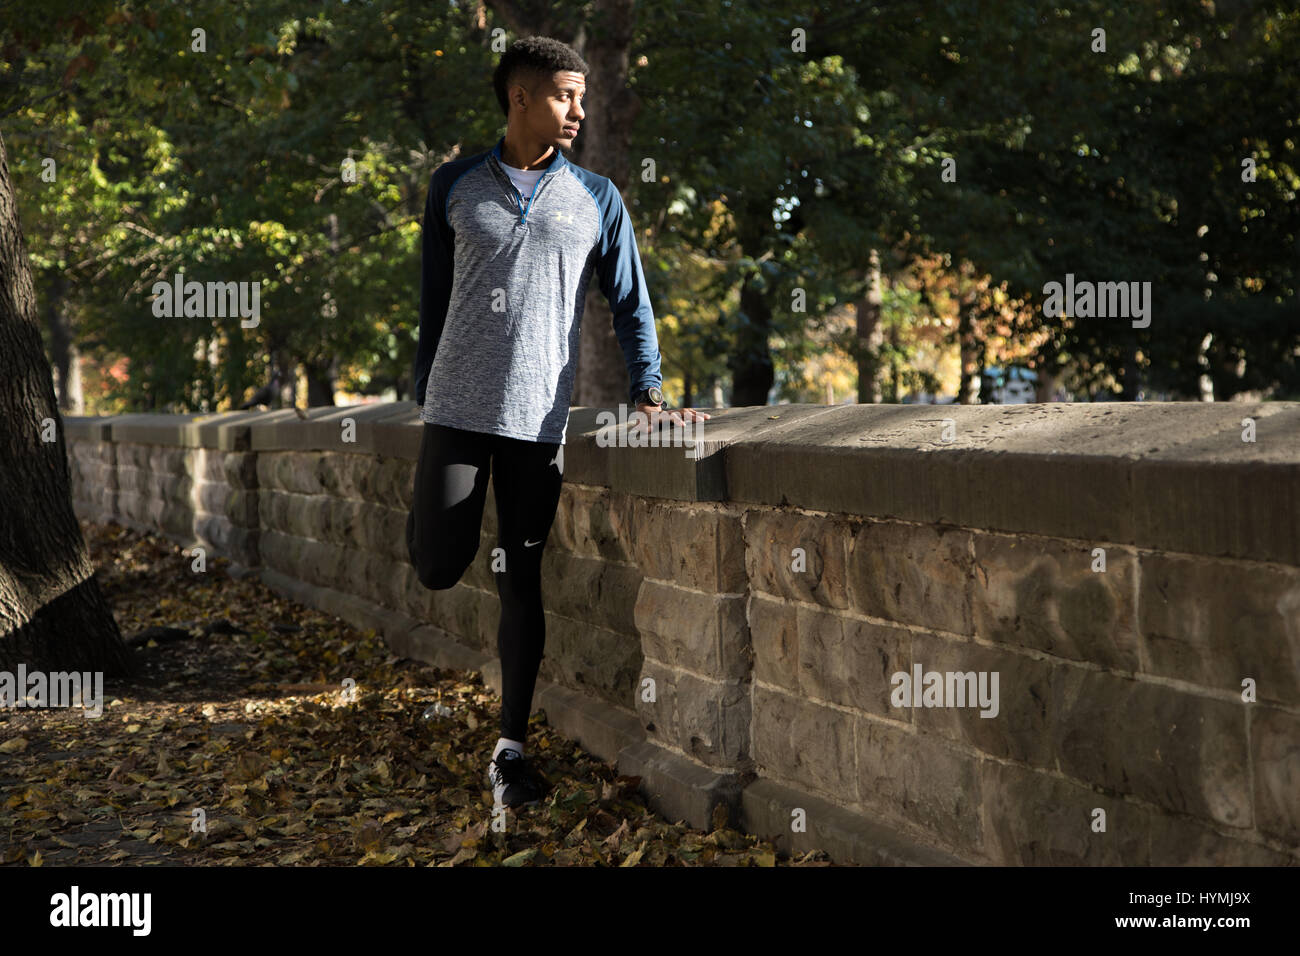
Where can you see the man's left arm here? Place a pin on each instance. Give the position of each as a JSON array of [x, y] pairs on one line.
[[622, 281], [623, 284]]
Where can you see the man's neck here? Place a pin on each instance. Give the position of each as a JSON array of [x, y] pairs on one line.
[[513, 153]]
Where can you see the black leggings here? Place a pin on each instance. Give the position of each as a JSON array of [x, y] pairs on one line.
[[442, 537]]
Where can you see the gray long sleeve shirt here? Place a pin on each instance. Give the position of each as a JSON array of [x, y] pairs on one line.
[[502, 292]]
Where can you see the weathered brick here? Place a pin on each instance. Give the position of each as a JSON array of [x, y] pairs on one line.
[[701, 632], [1275, 742], [470, 615], [700, 547], [1177, 840], [594, 590], [797, 740], [1182, 751], [912, 574], [817, 575], [1033, 819], [240, 469], [708, 720], [1215, 622], [849, 661], [592, 660], [1042, 593], [774, 635], [921, 779], [1021, 728], [241, 507], [587, 523]]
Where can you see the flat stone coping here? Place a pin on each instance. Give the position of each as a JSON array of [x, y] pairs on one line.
[[1172, 476]]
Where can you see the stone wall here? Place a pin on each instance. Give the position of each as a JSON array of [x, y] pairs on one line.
[[729, 624]]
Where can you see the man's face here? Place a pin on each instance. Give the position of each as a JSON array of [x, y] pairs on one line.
[[555, 112]]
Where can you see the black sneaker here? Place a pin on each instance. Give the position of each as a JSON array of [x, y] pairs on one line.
[[514, 781]]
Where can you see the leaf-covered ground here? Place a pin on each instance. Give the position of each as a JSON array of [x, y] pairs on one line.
[[241, 713]]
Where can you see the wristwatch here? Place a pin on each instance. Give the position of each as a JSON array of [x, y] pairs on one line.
[[650, 396]]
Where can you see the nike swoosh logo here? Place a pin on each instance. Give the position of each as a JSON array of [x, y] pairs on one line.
[[529, 544]]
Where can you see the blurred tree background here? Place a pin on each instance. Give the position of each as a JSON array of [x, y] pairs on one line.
[[848, 201]]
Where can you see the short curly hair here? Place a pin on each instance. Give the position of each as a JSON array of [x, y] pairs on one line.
[[532, 60]]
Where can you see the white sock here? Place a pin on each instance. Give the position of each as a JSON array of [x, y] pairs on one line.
[[504, 742]]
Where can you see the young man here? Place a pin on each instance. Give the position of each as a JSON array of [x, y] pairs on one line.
[[511, 239]]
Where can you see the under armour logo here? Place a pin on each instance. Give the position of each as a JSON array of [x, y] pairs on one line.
[[564, 217], [529, 544]]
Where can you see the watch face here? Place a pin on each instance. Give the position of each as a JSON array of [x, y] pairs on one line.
[[656, 396]]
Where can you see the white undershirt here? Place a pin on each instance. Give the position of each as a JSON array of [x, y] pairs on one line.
[[524, 179]]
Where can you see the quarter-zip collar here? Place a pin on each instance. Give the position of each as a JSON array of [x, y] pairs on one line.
[[557, 163]]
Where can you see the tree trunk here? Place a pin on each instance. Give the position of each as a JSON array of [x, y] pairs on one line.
[[751, 363], [968, 393], [321, 374], [67, 366], [870, 336], [287, 394], [893, 388], [320, 383], [1131, 380], [1046, 386], [52, 614]]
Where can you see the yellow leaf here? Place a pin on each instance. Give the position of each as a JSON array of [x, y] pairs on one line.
[[15, 746], [635, 856]]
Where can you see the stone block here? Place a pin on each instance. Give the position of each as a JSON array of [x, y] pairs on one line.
[[912, 574], [1181, 751], [774, 635], [1043, 593], [1215, 622], [1275, 744], [708, 720], [1021, 717], [699, 547], [1031, 818], [921, 779], [797, 556], [798, 740], [597, 591], [849, 661], [701, 632], [591, 660]]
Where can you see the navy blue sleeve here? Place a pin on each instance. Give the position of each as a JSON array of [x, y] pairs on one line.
[[618, 267], [437, 261]]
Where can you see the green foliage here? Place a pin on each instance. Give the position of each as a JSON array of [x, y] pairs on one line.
[[777, 170]]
